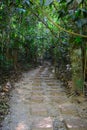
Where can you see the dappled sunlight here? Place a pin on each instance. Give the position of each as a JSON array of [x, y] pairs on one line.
[[45, 123], [21, 126], [69, 126]]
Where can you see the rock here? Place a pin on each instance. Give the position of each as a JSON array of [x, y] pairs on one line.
[[2, 94], [7, 87]]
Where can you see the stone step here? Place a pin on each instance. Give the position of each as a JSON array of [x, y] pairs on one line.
[[68, 109], [43, 124], [71, 117], [75, 123]]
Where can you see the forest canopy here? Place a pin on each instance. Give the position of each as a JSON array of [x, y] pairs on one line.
[[30, 29]]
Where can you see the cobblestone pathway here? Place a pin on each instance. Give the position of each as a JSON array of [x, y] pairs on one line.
[[38, 102]]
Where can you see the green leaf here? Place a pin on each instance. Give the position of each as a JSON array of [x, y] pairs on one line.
[[79, 84], [27, 2], [79, 1], [48, 2], [78, 39], [21, 10]]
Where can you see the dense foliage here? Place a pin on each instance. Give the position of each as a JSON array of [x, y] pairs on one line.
[[42, 28]]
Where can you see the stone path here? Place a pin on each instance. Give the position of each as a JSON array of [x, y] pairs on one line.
[[38, 102]]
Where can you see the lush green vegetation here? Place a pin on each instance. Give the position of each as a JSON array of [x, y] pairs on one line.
[[35, 28]]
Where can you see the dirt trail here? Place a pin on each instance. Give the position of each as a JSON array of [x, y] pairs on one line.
[[39, 103]]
